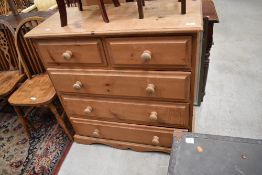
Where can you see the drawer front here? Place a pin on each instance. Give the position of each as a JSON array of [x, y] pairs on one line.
[[150, 52], [149, 135], [163, 85], [128, 111], [72, 52]]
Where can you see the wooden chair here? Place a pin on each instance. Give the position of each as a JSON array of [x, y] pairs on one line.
[[101, 4], [10, 75], [37, 90]]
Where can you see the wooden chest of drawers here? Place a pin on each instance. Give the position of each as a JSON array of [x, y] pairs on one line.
[[128, 83]]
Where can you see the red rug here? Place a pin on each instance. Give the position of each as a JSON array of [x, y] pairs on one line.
[[45, 151]]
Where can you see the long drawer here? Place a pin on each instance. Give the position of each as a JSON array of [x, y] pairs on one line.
[[70, 52], [149, 135], [151, 113], [156, 52], [150, 84]]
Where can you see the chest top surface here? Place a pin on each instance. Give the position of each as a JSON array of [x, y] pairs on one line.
[[161, 16]]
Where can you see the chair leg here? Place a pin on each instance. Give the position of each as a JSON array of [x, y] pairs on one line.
[[22, 119], [62, 12], [103, 10], [143, 2], [60, 121], [80, 5], [183, 6], [116, 3], [140, 9]]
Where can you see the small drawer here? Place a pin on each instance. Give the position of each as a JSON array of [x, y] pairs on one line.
[[70, 52], [152, 113], [155, 52], [138, 84], [149, 135]]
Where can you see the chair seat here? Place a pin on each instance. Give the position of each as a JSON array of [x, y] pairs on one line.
[[34, 92], [9, 81]]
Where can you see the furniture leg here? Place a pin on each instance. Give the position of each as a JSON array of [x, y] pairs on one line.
[[62, 12], [80, 5], [116, 3], [143, 2], [140, 9], [60, 121], [183, 6], [103, 10], [22, 119]]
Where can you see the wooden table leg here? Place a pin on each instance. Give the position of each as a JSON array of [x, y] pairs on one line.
[[103, 10], [140, 9]]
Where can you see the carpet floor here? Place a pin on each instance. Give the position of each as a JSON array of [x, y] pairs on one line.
[[43, 153]]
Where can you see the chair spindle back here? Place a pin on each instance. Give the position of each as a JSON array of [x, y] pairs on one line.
[[27, 52], [8, 55]]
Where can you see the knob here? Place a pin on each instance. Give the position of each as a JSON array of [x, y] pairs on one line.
[[146, 56], [96, 133], [153, 115], [88, 110], [78, 85], [155, 140], [150, 88], [67, 55]]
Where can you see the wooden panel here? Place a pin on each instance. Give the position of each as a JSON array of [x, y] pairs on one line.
[[151, 84], [151, 113], [161, 17], [150, 52], [149, 135], [72, 52], [120, 144]]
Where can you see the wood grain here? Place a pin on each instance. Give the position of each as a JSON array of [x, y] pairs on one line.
[[128, 111], [87, 52], [9, 81], [34, 92], [168, 85], [120, 144], [124, 132], [158, 19], [165, 51]]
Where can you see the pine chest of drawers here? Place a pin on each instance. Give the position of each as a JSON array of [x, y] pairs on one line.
[[128, 83]]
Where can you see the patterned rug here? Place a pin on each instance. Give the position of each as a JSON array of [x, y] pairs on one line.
[[41, 155]]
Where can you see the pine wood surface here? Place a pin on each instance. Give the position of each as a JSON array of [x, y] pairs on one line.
[[34, 92], [120, 144], [156, 136], [128, 111], [167, 85], [53, 52], [9, 81], [173, 51], [161, 16]]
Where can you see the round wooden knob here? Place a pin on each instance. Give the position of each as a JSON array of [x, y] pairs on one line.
[[88, 110], [150, 89], [155, 140], [67, 55], [96, 133], [78, 85], [146, 56], [153, 115]]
